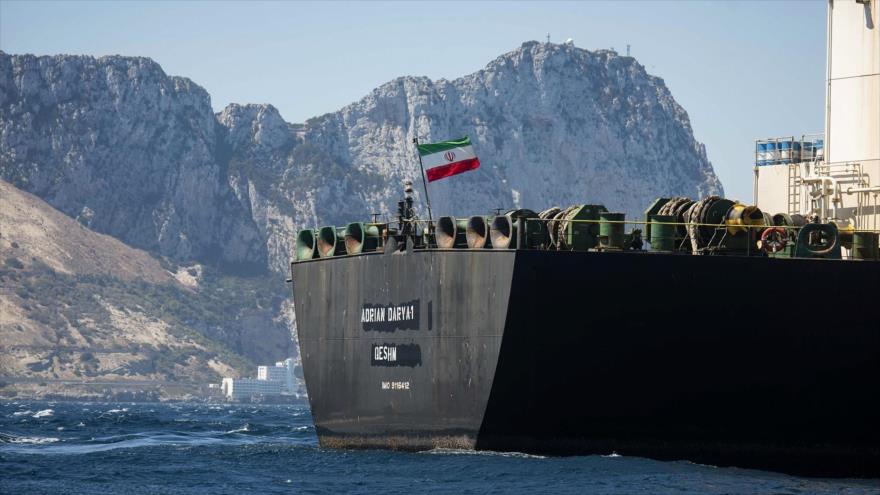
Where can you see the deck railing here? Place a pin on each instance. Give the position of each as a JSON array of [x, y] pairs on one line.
[[643, 236]]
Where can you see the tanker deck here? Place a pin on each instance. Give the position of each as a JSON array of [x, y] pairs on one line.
[[739, 355]]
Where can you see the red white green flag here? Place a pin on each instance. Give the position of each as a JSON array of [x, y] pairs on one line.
[[448, 158]]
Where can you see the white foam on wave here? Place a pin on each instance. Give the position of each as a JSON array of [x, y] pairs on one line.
[[22, 413], [33, 440], [115, 411], [492, 453], [43, 414], [612, 455], [243, 429]]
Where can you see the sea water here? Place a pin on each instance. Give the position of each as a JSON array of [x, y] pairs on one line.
[[128, 449]]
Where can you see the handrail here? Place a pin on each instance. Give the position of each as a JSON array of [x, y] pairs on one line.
[[717, 239], [645, 222]]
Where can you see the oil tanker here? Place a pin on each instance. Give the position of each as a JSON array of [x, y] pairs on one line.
[[708, 330]]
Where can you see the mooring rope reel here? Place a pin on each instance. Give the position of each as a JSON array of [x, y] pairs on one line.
[[697, 214], [547, 215], [677, 207]]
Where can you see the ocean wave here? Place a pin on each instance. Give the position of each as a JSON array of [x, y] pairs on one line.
[[7, 438], [36, 440], [243, 429], [491, 453], [22, 413], [259, 429], [45, 413], [142, 451], [145, 440]]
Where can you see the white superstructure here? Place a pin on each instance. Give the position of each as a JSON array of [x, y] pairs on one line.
[[835, 176]]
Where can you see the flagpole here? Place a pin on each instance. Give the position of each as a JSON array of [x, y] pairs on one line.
[[424, 183]]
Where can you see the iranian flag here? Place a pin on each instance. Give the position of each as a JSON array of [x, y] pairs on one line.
[[448, 158]]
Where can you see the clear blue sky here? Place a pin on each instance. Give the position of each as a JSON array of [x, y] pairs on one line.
[[742, 70]]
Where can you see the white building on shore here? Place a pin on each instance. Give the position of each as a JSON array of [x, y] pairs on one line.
[[270, 381], [281, 372]]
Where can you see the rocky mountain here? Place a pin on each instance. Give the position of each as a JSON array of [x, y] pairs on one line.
[[153, 235], [126, 150], [131, 152], [33, 233], [552, 124], [80, 307]]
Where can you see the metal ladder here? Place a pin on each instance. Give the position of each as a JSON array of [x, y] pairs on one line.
[[794, 188]]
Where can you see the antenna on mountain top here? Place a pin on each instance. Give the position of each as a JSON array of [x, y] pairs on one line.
[[627, 50], [548, 38]]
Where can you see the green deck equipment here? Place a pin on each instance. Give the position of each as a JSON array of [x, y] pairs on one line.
[[662, 232], [611, 230], [654, 209], [306, 245], [362, 237], [572, 234], [450, 232], [865, 246], [477, 232], [818, 240], [513, 231], [330, 241]]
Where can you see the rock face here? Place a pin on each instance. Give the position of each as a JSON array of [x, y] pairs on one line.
[[126, 150], [32, 233], [552, 124], [136, 154], [78, 305]]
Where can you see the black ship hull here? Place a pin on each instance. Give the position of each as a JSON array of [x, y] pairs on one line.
[[725, 360]]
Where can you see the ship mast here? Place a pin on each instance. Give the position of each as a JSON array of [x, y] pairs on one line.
[[424, 183]]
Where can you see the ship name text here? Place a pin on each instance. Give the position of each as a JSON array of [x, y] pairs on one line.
[[390, 313], [385, 354], [390, 317]]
